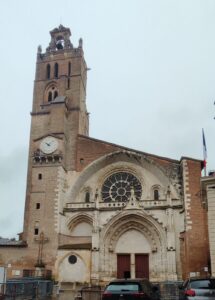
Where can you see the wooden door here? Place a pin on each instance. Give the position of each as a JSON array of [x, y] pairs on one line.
[[141, 266], [123, 266]]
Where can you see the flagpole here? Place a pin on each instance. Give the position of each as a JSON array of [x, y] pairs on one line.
[[204, 152]]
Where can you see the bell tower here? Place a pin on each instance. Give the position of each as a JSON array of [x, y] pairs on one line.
[[58, 115], [60, 93]]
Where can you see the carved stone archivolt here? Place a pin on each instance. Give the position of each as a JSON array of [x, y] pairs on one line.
[[151, 236], [79, 218], [126, 158], [138, 221]]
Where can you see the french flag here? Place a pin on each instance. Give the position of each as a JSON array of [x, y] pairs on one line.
[[204, 150]]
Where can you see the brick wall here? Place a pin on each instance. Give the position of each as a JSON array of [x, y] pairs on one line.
[[90, 149], [194, 239]]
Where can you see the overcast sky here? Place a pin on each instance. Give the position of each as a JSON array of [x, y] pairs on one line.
[[151, 86]]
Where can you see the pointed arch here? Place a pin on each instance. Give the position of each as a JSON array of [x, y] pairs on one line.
[[87, 197], [146, 228], [156, 192], [49, 96], [124, 157], [55, 94], [79, 218], [80, 270], [69, 68], [48, 71], [56, 70], [51, 92], [139, 221]]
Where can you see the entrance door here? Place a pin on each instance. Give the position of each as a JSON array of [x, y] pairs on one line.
[[123, 266], [142, 266]]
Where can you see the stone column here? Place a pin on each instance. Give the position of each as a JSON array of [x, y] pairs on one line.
[[171, 265], [171, 257], [132, 265], [95, 250], [94, 267]]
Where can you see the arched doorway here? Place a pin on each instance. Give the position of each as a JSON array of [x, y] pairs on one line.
[[139, 242], [132, 250]]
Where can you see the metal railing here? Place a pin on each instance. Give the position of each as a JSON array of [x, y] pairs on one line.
[[25, 289]]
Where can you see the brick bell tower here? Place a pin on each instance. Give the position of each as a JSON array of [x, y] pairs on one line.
[[59, 114]]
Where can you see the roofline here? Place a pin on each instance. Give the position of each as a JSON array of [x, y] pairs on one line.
[[190, 158], [207, 181], [13, 245], [141, 152]]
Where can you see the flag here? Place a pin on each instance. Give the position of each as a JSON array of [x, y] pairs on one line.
[[204, 149]]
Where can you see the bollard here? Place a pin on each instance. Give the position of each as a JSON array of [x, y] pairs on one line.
[[78, 296]]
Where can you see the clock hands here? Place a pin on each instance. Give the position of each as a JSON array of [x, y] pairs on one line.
[[48, 145]]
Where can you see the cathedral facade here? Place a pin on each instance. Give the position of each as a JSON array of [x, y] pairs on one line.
[[94, 210]]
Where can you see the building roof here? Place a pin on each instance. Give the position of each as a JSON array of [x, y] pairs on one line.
[[59, 99], [141, 152], [5, 242]]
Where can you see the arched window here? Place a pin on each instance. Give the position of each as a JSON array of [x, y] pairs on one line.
[[36, 228], [49, 96], [48, 71], [56, 70], [69, 68], [68, 83], [156, 194], [55, 94], [87, 197], [51, 93]]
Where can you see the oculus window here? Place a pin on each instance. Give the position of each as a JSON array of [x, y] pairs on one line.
[[72, 259]]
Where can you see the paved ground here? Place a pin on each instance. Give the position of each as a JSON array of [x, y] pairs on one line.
[[66, 295], [168, 291], [70, 295]]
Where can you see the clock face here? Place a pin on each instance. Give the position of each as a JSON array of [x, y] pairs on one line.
[[48, 145]]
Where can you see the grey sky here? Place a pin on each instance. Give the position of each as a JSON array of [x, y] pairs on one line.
[[151, 85]]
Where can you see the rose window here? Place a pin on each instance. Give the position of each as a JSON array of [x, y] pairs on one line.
[[117, 187]]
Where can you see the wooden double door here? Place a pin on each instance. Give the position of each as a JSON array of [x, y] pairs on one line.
[[124, 265]]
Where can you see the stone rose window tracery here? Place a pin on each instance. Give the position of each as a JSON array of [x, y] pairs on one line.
[[117, 187]]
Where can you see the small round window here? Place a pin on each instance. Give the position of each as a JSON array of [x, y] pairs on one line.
[[72, 259]]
